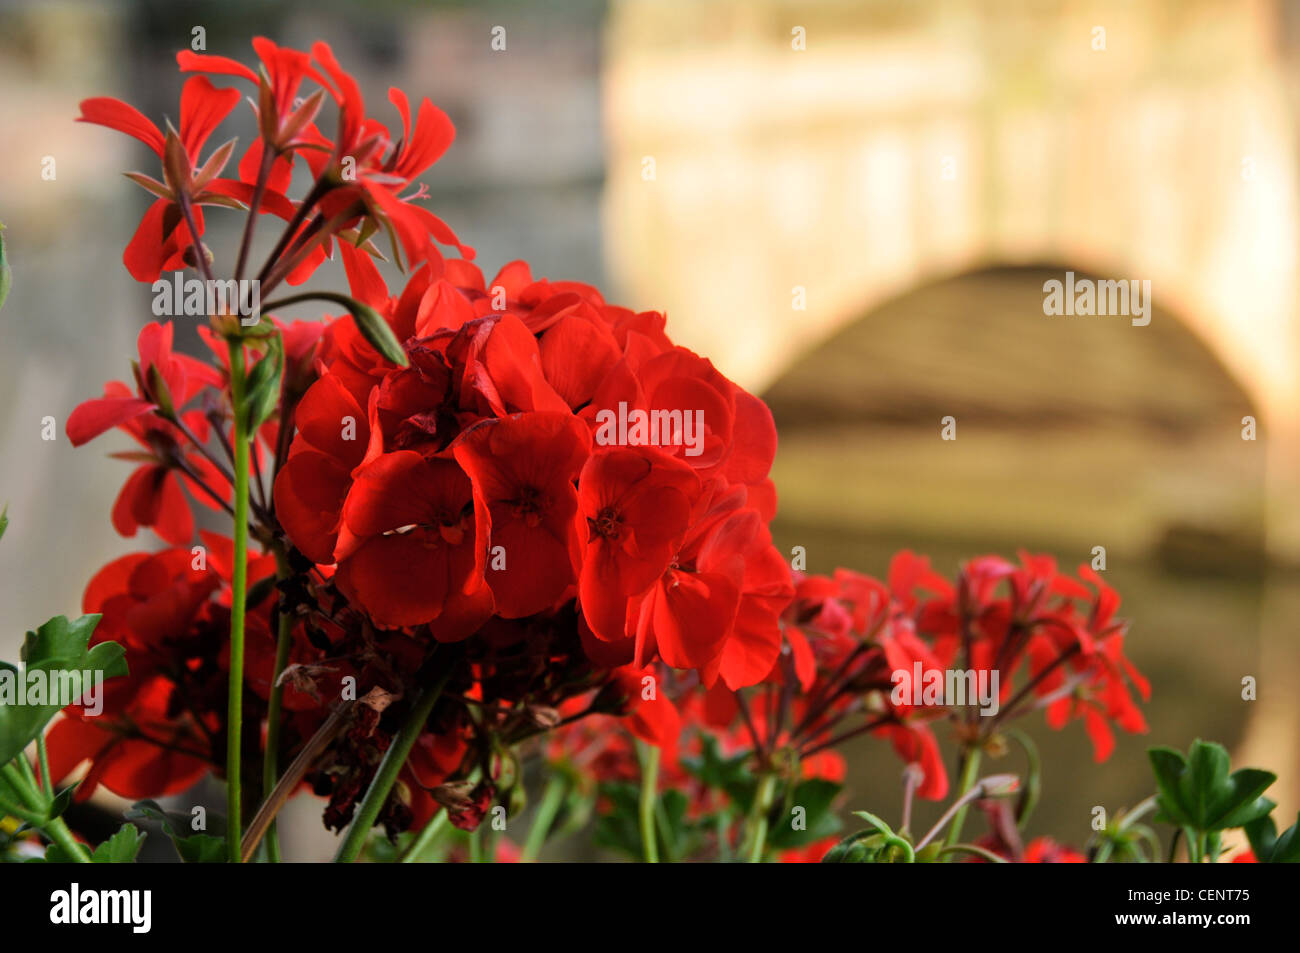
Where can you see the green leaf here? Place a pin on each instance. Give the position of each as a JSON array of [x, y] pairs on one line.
[[618, 829], [1198, 792], [58, 648], [1168, 766], [206, 847], [1268, 847], [819, 821], [4, 519], [54, 854], [1202, 782], [730, 775], [62, 800], [671, 827], [121, 848], [1241, 802]]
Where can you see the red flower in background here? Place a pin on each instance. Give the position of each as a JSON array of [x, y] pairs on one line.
[[163, 380], [286, 125], [144, 743]]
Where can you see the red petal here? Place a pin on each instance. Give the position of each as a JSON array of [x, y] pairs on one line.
[[104, 111], [203, 107], [93, 417]]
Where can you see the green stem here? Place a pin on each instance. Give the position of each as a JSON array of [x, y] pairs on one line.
[[553, 797], [386, 776], [29, 776], [426, 837], [38, 808], [1141, 809], [722, 832], [238, 596], [58, 832], [969, 772], [14, 778], [980, 852], [271, 757], [649, 794], [44, 758], [758, 817], [23, 814]]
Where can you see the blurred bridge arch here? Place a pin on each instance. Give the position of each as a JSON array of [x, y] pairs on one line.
[[913, 141]]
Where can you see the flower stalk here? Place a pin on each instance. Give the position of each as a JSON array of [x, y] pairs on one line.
[[239, 597], [274, 708], [646, 806], [552, 799], [970, 770], [758, 828]]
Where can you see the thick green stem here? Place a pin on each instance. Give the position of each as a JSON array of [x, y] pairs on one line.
[[58, 832], [37, 809], [386, 776], [12, 776], [757, 834], [552, 798], [969, 772], [649, 795], [271, 758], [238, 596], [11, 809]]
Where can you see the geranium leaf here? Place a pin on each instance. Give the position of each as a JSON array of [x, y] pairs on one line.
[[121, 848], [60, 649], [817, 820], [194, 847], [1168, 765]]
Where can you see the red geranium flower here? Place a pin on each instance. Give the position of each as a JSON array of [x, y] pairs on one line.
[[523, 468], [635, 503], [414, 556], [162, 241]]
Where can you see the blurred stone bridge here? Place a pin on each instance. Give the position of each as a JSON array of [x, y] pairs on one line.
[[780, 169]]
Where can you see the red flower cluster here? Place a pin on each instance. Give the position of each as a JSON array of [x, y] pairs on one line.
[[1053, 643], [510, 489], [473, 497], [360, 175], [473, 483]]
